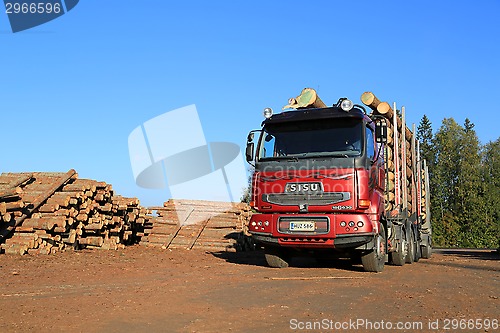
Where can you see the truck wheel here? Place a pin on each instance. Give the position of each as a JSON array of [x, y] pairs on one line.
[[398, 258], [426, 251], [276, 257], [374, 260], [410, 255], [418, 251]]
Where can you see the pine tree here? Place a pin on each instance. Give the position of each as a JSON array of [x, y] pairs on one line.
[[424, 135]]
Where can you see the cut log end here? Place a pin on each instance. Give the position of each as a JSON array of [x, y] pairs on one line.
[[308, 98], [370, 100]]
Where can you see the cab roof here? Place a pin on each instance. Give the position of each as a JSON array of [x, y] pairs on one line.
[[314, 114]]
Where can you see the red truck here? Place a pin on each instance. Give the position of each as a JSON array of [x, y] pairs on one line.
[[323, 186]]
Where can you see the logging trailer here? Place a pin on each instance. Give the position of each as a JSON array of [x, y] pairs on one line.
[[338, 182]]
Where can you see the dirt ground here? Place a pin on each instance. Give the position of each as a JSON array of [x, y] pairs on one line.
[[142, 289]]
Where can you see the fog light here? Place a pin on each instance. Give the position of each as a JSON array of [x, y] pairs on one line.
[[343, 224], [351, 224], [356, 229], [360, 224]]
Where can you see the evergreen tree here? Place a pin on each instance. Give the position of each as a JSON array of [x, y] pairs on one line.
[[424, 135]]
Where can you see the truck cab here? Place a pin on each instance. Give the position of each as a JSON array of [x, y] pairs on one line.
[[318, 185]]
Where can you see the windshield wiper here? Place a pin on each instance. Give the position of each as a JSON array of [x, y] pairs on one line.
[[326, 154], [339, 155], [296, 157]]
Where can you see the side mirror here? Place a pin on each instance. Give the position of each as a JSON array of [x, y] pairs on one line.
[[249, 151], [381, 131]]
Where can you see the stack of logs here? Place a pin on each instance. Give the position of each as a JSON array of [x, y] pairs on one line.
[[423, 197], [48, 212], [384, 109], [206, 225], [11, 204]]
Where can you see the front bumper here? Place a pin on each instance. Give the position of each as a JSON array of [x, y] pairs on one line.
[[352, 241]]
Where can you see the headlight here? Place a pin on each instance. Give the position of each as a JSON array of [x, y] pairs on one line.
[[346, 105], [268, 112]]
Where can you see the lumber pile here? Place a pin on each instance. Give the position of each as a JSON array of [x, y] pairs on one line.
[[48, 212], [33, 190], [57, 210], [205, 225], [399, 156], [424, 197], [11, 204]]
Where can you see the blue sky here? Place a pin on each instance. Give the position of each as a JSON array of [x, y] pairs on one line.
[[73, 89]]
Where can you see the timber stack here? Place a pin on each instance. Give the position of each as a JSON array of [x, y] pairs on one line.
[[401, 156], [205, 225], [11, 203], [47, 212]]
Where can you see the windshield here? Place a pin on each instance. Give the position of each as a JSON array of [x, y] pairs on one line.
[[326, 137]]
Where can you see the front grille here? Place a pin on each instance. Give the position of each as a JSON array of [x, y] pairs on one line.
[[322, 224], [287, 199]]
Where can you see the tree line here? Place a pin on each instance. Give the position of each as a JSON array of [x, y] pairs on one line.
[[464, 180]]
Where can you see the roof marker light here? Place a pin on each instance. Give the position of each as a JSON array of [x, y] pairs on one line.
[[346, 105], [268, 112]]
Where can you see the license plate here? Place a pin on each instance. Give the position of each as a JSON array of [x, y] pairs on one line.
[[302, 226]]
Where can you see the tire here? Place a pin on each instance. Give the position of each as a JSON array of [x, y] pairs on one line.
[[418, 251], [410, 255], [398, 258], [276, 258], [244, 243], [426, 251], [374, 260], [323, 260]]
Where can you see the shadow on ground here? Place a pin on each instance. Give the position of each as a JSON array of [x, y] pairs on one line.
[[470, 253], [256, 258], [489, 259]]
